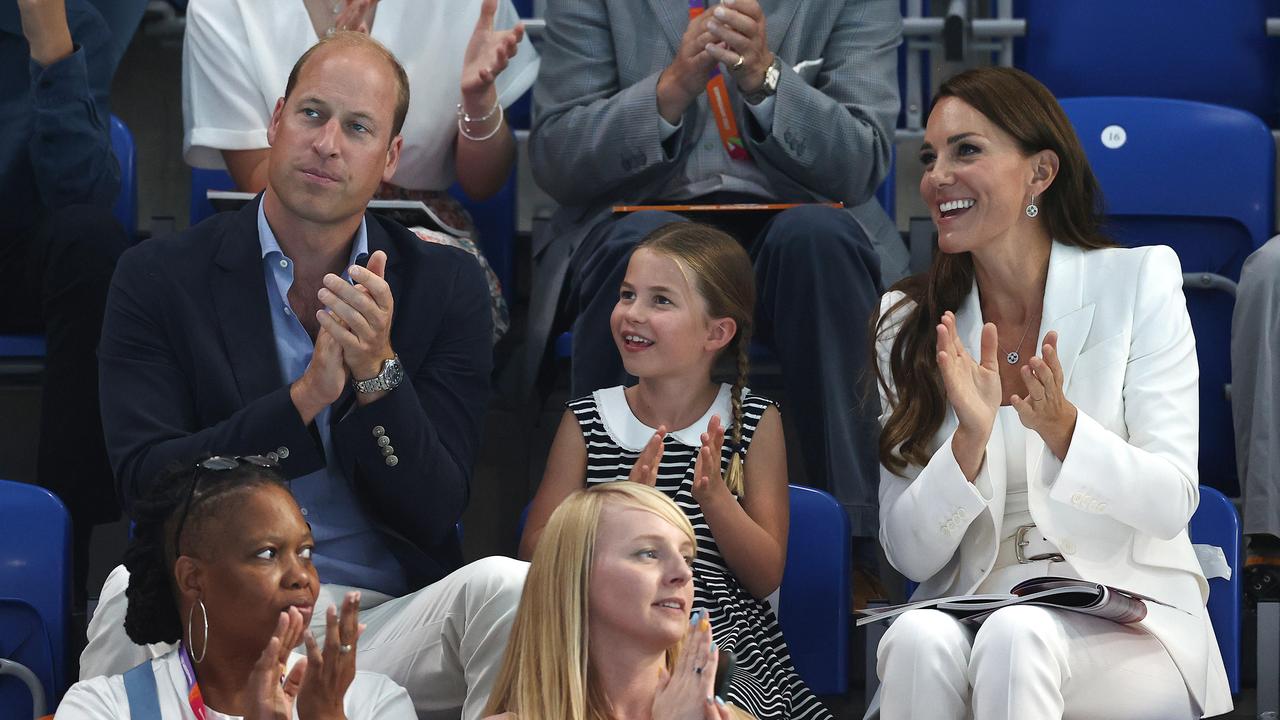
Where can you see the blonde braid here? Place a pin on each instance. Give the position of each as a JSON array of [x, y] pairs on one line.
[[734, 479]]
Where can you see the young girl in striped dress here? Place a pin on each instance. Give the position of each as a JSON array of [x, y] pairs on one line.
[[688, 299]]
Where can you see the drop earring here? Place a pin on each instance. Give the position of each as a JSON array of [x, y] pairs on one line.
[[1032, 209]]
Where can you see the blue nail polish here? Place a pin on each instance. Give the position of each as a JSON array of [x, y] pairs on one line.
[[693, 619], [715, 647], [720, 701]]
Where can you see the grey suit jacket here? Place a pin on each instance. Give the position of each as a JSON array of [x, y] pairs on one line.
[[595, 140]]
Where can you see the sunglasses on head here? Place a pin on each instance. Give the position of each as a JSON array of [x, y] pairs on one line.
[[216, 463]]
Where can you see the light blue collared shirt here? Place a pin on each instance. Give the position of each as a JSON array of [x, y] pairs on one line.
[[349, 550]]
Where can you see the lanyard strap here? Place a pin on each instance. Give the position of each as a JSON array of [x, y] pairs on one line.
[[194, 698], [718, 99]]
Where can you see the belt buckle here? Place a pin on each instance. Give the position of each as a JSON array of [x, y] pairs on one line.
[[1020, 541]]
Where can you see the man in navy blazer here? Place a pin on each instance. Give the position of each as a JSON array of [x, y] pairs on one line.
[[304, 328]]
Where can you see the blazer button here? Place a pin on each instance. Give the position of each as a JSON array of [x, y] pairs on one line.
[[392, 461], [388, 451], [283, 452], [1102, 507], [379, 431], [383, 441]]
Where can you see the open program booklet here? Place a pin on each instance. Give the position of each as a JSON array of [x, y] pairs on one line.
[[1104, 601], [410, 213]]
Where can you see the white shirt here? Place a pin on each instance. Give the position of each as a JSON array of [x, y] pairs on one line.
[[237, 56], [371, 696]]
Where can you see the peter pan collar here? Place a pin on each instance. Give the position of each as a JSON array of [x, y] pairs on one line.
[[631, 434]]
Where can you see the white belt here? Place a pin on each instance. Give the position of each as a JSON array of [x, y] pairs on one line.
[[1026, 545]]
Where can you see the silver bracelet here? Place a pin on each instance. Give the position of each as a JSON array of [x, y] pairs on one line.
[[463, 131], [462, 114]]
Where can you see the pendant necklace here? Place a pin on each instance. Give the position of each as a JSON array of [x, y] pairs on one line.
[[1012, 357]]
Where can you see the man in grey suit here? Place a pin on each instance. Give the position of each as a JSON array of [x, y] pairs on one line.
[[622, 117]]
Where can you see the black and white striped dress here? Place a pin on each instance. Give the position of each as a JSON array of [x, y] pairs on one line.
[[765, 683]]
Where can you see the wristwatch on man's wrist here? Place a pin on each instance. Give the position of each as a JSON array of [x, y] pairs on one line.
[[392, 374], [770, 84]]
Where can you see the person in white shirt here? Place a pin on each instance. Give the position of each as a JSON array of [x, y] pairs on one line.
[[220, 563], [1039, 418]]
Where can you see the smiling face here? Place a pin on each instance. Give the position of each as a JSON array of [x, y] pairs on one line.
[[331, 139], [977, 181], [641, 588], [660, 323], [253, 561]]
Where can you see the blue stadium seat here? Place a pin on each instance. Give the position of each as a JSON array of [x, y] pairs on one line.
[[495, 220], [1216, 523], [35, 591], [814, 601], [126, 207], [203, 180], [1206, 51], [1199, 178]]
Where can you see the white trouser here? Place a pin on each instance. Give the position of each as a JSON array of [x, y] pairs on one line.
[[443, 643], [1029, 663]]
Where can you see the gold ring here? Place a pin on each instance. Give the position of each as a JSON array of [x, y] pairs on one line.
[[738, 64]]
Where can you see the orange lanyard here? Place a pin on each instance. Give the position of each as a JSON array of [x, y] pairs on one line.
[[718, 99]]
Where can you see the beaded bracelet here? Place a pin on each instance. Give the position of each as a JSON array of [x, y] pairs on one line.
[[464, 117]]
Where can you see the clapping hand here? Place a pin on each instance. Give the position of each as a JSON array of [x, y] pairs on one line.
[[486, 56], [359, 316], [330, 672], [740, 44], [1046, 409], [708, 481], [272, 698], [686, 77], [645, 469], [973, 386], [687, 690], [352, 16]]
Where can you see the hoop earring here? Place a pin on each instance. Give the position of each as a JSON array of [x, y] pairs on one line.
[[204, 614], [1032, 209]]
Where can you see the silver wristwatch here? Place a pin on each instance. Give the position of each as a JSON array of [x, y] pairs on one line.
[[770, 84], [391, 375]]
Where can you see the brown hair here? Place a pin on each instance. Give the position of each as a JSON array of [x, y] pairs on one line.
[[353, 39], [719, 269], [1070, 208]]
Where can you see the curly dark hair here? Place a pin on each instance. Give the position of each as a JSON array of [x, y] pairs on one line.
[[152, 615]]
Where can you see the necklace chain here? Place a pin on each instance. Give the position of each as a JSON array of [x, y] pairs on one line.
[[1013, 356]]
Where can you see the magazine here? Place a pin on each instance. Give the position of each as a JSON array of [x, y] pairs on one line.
[[410, 213], [1104, 601]]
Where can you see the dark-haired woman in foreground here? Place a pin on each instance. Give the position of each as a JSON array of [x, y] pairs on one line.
[[220, 562], [1039, 394]]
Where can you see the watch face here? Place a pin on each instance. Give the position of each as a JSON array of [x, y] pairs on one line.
[[394, 371]]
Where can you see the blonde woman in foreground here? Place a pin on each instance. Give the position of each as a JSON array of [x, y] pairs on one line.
[[603, 630]]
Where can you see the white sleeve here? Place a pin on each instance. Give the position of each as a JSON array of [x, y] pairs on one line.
[[523, 68], [92, 699], [926, 511], [1161, 407], [374, 696], [221, 107]]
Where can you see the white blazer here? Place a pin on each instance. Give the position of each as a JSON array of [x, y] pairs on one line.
[[1118, 505]]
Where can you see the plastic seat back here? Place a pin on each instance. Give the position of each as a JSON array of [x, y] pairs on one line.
[[814, 602], [126, 207], [1199, 178], [35, 569], [1216, 523], [24, 639], [203, 180], [1207, 51]]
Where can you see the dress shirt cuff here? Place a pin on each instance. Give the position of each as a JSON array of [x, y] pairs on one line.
[[763, 112], [60, 82], [666, 129]]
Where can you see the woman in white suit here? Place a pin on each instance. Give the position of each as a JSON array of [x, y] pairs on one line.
[[1039, 418]]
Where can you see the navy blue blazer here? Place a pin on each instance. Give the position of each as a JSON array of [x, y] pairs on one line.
[[188, 365]]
